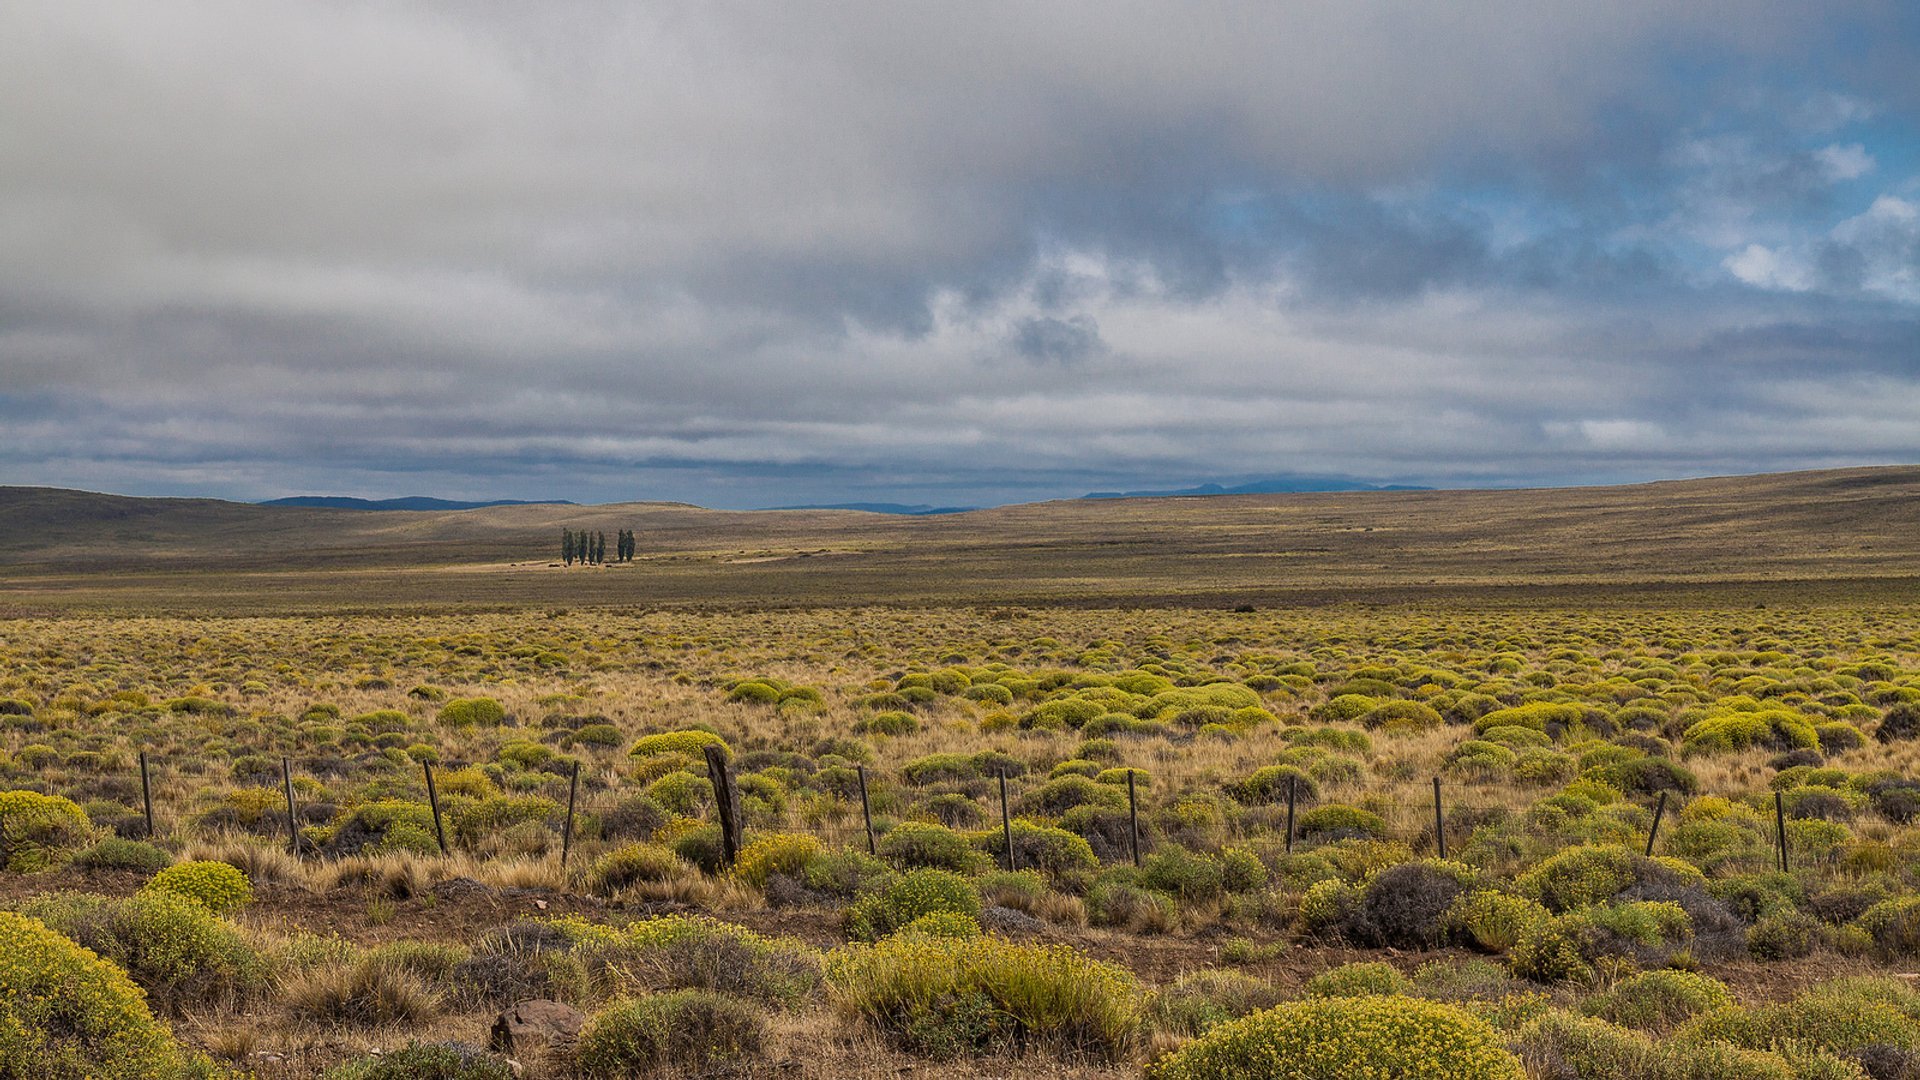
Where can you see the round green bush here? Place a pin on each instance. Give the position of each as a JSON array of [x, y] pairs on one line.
[[908, 897], [688, 1031], [218, 887], [630, 864], [426, 1061], [471, 712], [1381, 1038], [1658, 1001], [1358, 980], [177, 950], [785, 854], [118, 853], [692, 742], [914, 844], [67, 1014], [39, 830]]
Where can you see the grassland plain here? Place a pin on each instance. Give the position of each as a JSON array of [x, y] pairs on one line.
[[1250, 940]]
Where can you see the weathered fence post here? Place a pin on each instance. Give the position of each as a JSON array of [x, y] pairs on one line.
[[566, 838], [1291, 783], [293, 825], [1439, 821], [1659, 808], [1006, 821], [146, 792], [724, 803], [433, 801], [866, 809], [1780, 826], [1133, 819]]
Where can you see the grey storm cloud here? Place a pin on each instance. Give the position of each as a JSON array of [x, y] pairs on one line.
[[754, 254]]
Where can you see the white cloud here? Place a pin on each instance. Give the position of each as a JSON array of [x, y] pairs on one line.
[[1848, 162], [1766, 268]]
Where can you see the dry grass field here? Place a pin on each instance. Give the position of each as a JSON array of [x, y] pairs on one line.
[[1739, 657]]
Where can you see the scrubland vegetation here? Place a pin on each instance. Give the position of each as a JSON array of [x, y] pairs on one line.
[[1547, 942]]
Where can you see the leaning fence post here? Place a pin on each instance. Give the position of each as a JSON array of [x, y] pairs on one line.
[[1439, 822], [724, 803], [866, 809], [293, 828], [146, 792], [1780, 826], [1291, 782], [566, 838], [1659, 808], [1133, 820], [433, 801], [1006, 821]]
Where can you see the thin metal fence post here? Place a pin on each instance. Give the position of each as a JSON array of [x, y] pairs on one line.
[[433, 801], [1659, 808], [1133, 819], [1780, 826], [1006, 821], [1291, 784], [566, 838], [293, 826], [866, 809], [1439, 821], [146, 792]]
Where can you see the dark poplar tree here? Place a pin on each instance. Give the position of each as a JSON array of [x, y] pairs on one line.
[[566, 546]]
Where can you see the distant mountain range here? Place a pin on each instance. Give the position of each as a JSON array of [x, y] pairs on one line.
[[913, 510], [411, 502], [1270, 486]]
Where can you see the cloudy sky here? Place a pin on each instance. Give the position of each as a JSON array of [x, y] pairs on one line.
[[757, 254]]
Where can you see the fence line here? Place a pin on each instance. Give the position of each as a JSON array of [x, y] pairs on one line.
[[729, 816]]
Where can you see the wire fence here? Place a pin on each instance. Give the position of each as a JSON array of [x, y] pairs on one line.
[[1439, 817]]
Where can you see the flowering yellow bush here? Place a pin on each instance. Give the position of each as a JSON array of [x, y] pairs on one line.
[[944, 996], [67, 1014], [218, 887], [1379, 1038], [38, 831], [776, 853]]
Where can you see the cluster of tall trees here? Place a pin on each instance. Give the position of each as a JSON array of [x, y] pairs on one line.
[[591, 547]]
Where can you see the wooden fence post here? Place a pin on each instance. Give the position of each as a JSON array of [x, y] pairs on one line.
[[433, 801], [566, 838], [146, 792], [1439, 821], [293, 825], [1659, 808], [866, 809], [1133, 819], [724, 803], [1006, 821]]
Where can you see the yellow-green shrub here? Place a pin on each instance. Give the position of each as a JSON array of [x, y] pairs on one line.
[[218, 887], [177, 950], [40, 831], [471, 712], [630, 864], [67, 1014], [768, 854], [1493, 920], [692, 742], [687, 1031], [1383, 1038], [906, 898], [945, 996]]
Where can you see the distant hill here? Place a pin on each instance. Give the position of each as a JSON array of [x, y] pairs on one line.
[[913, 510], [80, 550], [410, 502], [1276, 485]]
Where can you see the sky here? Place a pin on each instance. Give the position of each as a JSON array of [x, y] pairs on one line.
[[745, 254]]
